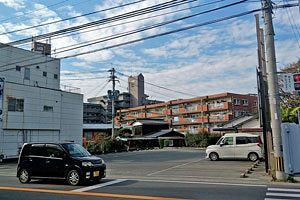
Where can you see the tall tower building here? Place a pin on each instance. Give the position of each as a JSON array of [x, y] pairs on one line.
[[136, 90]]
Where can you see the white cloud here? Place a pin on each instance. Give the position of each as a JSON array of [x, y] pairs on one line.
[[16, 4]]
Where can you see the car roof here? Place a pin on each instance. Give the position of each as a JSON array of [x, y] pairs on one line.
[[240, 134], [29, 143]]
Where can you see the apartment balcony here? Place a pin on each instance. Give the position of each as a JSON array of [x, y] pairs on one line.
[[220, 118], [155, 115], [220, 106], [166, 112], [202, 108], [141, 115], [202, 119], [203, 130]]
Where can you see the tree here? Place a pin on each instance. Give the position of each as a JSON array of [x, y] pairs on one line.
[[290, 103]]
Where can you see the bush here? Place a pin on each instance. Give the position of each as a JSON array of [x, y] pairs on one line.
[[102, 144], [203, 139]]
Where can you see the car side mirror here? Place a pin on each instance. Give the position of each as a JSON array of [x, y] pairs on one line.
[[222, 144]]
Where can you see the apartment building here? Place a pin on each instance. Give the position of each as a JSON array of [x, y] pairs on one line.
[[195, 114], [33, 108]]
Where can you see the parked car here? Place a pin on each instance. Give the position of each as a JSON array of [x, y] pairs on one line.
[[236, 145], [67, 161]]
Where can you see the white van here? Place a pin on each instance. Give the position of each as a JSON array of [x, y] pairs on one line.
[[236, 145]]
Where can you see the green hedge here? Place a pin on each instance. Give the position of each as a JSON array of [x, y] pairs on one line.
[[201, 139], [105, 145]]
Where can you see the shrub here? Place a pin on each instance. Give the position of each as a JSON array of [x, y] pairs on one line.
[[202, 139], [103, 144]]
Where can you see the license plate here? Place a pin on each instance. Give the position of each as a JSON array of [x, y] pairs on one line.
[[96, 173]]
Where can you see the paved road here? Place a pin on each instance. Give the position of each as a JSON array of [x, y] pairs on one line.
[[159, 174]]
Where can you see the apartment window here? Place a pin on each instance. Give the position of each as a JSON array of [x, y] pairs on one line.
[[18, 68], [245, 102], [15, 105], [55, 76], [45, 74], [48, 108], [236, 101], [27, 74]]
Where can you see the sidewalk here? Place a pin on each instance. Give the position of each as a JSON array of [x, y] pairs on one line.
[[260, 173]]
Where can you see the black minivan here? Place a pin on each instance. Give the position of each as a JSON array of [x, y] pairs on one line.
[[67, 161]]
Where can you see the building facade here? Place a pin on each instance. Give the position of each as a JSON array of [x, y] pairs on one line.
[[93, 114], [33, 108], [122, 101], [136, 90], [196, 114]]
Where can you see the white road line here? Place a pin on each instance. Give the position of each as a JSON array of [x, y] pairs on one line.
[[283, 189], [99, 185], [199, 182], [206, 177], [275, 199], [174, 167], [282, 194]]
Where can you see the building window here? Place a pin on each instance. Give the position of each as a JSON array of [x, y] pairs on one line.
[[48, 108], [18, 68], [245, 102], [15, 105], [236, 102], [55, 76], [45, 74], [27, 74]]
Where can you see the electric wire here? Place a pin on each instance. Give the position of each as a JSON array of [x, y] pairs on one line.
[[127, 15], [139, 30], [158, 86], [70, 18], [154, 36]]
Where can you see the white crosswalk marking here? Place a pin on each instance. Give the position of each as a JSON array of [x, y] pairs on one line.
[[282, 194], [8, 170]]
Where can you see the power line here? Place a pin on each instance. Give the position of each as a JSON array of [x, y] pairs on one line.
[[131, 14], [293, 26], [70, 18], [111, 37], [142, 29], [29, 13], [154, 36], [158, 86], [162, 94], [140, 19]]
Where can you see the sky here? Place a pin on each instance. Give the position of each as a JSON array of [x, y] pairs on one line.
[[208, 59]]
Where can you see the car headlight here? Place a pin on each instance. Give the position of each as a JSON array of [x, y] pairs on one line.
[[102, 161], [87, 164]]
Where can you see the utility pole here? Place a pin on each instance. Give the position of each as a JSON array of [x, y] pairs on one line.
[[262, 90], [113, 79], [273, 90]]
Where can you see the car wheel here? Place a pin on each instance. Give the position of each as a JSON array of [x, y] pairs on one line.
[[253, 157], [73, 177], [213, 156], [24, 176]]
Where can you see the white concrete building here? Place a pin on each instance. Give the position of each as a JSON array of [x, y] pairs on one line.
[[32, 106]]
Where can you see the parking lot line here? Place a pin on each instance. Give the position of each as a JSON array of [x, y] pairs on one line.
[[175, 167], [99, 185], [200, 182], [122, 196]]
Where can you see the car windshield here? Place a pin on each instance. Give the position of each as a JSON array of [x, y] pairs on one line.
[[76, 150], [219, 141]]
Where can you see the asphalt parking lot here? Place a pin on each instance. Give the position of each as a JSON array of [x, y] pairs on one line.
[[155, 174]]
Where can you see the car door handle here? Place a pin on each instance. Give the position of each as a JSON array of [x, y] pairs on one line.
[[47, 161], [30, 159]]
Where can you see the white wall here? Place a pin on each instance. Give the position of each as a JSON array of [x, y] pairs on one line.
[[10, 57], [33, 116], [71, 117], [35, 124]]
